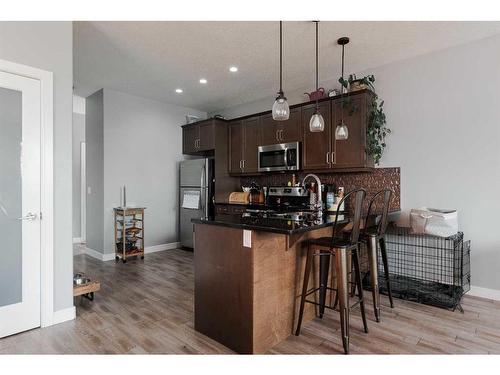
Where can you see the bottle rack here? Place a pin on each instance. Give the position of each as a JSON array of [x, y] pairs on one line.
[[129, 232]]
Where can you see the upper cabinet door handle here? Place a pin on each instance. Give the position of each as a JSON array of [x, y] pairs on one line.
[[333, 158], [281, 135], [327, 158], [277, 135]]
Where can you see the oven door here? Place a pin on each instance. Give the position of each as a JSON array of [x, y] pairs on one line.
[[279, 157]]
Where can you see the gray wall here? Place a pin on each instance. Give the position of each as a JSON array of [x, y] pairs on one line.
[[78, 138], [49, 46], [444, 111], [136, 142], [94, 127], [151, 132]]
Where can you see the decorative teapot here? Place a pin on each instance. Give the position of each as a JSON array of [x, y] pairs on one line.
[[316, 95]]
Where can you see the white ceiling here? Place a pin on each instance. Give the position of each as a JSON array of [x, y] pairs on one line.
[[152, 59]]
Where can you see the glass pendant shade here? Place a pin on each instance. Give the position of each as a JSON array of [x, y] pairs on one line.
[[316, 123], [281, 110], [341, 132]]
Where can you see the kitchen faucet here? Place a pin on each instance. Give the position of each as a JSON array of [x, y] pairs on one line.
[[319, 201]]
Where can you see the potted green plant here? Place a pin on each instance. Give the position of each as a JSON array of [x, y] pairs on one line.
[[376, 131], [356, 84]]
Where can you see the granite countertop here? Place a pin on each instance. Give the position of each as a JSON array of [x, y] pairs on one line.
[[271, 224]]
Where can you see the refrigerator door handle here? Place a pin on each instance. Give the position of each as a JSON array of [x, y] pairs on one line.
[[202, 177], [207, 203]]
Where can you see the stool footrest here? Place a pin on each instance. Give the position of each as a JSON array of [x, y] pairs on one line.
[[355, 304]]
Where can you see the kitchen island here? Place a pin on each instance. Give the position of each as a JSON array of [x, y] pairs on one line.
[[248, 277]]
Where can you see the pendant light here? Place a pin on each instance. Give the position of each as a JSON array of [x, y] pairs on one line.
[[341, 131], [317, 123], [281, 110]]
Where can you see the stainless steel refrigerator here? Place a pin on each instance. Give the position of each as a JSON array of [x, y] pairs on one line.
[[197, 184]]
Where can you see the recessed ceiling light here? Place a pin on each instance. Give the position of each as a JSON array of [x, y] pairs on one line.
[[178, 91], [203, 81], [233, 69]]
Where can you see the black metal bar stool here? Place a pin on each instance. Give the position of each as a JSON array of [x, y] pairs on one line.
[[373, 236], [339, 248]]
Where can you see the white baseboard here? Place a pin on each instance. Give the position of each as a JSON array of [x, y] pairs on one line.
[[64, 315], [107, 257], [77, 240], [162, 247], [94, 254], [110, 256], [478, 291]]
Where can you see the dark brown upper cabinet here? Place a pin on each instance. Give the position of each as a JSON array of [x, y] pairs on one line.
[[253, 140], [281, 131], [236, 147], [207, 136], [244, 140], [198, 138], [351, 153], [317, 147], [320, 151], [190, 135]]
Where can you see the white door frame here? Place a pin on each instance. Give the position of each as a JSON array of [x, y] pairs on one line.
[[47, 184], [83, 192]]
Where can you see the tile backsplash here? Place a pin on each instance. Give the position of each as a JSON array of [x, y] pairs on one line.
[[372, 182]]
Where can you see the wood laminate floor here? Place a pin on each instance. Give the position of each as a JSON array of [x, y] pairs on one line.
[[147, 307]]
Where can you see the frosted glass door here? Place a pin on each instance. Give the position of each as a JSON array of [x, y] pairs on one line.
[[19, 203], [10, 197]]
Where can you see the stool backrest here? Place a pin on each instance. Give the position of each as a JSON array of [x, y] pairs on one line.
[[386, 195], [358, 196]]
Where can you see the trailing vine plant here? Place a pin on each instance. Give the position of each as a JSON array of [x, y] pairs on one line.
[[376, 130]]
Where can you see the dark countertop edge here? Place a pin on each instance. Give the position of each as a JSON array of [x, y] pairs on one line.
[[264, 228]]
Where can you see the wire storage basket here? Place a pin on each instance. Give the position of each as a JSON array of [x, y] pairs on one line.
[[426, 269]]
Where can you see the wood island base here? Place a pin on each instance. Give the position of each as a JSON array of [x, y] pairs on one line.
[[247, 290]]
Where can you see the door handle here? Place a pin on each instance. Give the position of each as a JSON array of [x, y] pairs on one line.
[[277, 135], [202, 178], [30, 217], [327, 158], [281, 134], [333, 158], [243, 163]]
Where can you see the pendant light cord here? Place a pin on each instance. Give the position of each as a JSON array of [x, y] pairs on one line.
[[317, 99], [281, 57], [342, 88]]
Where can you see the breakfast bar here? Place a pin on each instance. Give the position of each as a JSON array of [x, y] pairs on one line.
[[248, 275]]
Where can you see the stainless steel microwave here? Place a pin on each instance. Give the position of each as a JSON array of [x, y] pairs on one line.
[[279, 157]]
